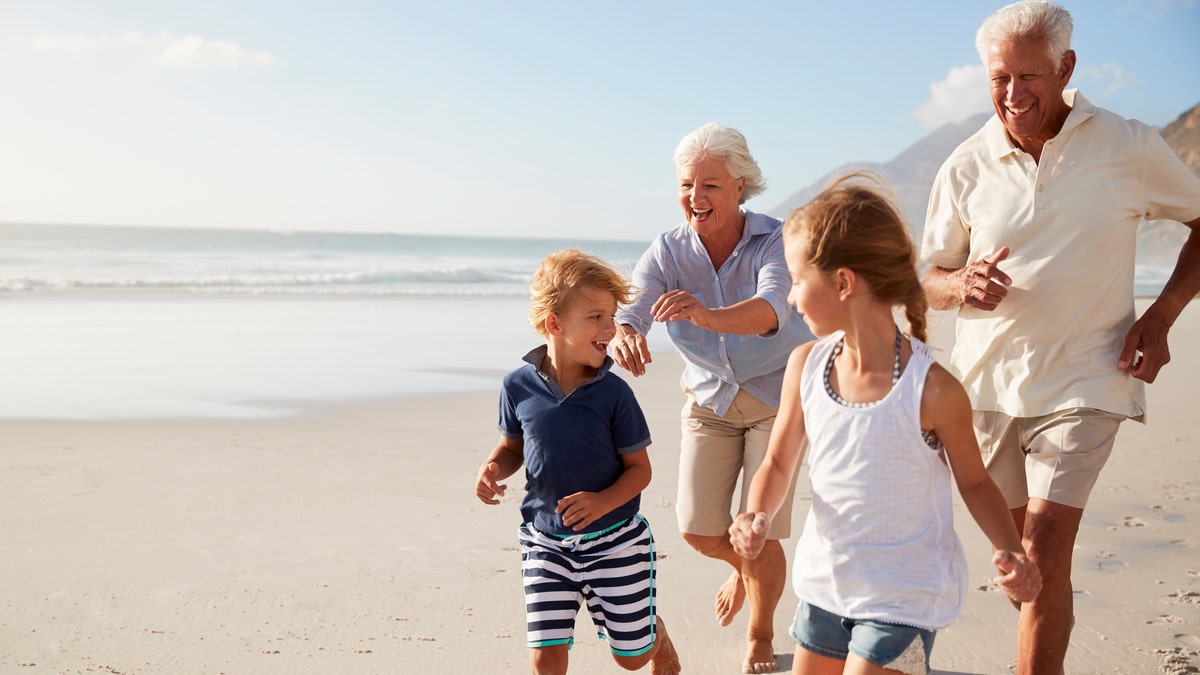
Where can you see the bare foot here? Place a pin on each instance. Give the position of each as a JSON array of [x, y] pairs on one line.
[[665, 660], [760, 658], [730, 598]]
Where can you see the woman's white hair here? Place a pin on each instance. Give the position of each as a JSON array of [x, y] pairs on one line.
[[728, 145], [1025, 19]]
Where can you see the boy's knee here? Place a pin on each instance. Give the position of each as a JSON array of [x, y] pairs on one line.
[[632, 662], [551, 660]]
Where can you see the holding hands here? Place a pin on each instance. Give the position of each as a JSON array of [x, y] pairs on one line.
[[1019, 577], [748, 533]]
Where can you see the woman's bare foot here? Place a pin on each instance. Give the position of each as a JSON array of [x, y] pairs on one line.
[[665, 660], [760, 657], [730, 598]]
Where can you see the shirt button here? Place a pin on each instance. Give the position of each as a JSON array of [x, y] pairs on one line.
[[1042, 188], [722, 338]]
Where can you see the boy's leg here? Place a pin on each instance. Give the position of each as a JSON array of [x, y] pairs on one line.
[[550, 660], [662, 657], [551, 601]]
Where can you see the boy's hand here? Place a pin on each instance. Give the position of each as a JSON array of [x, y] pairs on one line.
[[748, 533], [1019, 577], [486, 488], [581, 509]]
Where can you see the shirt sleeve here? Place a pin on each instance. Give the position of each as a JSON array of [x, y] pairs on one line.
[[650, 278], [774, 280], [1172, 191], [946, 241], [631, 432], [509, 424]]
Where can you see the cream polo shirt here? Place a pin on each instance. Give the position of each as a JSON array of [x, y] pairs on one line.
[[1071, 224]]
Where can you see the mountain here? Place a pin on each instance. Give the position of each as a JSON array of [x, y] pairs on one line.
[[1183, 135], [912, 172]]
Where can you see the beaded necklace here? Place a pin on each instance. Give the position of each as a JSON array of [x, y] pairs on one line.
[[837, 349], [930, 438]]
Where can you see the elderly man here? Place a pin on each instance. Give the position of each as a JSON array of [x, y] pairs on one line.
[[1031, 235]]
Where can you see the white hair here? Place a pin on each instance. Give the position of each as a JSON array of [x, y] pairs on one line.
[[1027, 19], [728, 145]]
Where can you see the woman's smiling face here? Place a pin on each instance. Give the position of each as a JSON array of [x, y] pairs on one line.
[[709, 194]]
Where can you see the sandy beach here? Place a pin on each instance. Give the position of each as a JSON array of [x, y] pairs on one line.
[[347, 539]]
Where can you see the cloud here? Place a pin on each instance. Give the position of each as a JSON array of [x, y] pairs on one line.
[[963, 93], [1109, 78], [163, 50]]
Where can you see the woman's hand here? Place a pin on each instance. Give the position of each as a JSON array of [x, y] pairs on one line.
[[629, 350], [679, 305]]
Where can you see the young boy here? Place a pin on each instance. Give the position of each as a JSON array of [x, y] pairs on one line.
[[582, 438]]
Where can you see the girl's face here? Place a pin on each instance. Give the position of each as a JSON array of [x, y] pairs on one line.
[[814, 293]]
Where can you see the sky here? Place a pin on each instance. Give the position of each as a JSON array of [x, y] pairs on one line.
[[520, 118]]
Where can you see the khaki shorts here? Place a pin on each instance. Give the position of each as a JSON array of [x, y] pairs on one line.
[[1056, 457], [714, 452]]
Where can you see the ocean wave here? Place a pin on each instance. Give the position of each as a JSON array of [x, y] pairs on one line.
[[461, 281]]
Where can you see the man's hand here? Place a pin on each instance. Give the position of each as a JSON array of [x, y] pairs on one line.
[[982, 284], [1145, 351]]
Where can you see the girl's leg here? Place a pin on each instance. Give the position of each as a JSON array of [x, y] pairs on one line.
[[811, 663], [551, 660]]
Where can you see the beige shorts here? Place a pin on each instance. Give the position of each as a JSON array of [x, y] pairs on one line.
[[715, 452], [1056, 457]]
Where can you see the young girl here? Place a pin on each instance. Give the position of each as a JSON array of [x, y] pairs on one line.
[[878, 567]]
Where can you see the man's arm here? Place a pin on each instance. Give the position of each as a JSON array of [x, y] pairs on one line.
[[1148, 334]]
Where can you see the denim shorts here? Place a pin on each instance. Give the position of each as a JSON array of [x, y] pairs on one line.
[[886, 645]]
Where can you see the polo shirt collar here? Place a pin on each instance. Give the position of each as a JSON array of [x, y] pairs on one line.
[[538, 354], [998, 143]]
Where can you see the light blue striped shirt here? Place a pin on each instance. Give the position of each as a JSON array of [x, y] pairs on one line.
[[719, 364]]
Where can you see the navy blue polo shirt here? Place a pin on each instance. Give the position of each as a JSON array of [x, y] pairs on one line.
[[572, 443]]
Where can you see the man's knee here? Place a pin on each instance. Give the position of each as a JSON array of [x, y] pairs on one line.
[[705, 545]]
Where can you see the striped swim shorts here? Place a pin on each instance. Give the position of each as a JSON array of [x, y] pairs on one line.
[[612, 571]]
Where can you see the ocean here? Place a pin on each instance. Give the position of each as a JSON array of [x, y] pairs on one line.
[[135, 322]]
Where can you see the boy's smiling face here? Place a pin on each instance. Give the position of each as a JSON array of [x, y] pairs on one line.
[[584, 329]]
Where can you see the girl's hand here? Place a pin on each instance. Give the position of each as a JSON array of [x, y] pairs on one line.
[[748, 533], [1019, 577], [581, 509], [486, 487]]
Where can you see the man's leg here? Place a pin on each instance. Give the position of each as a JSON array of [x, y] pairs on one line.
[[761, 581], [1045, 627]]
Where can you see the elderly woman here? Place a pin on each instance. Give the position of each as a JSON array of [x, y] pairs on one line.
[[720, 284]]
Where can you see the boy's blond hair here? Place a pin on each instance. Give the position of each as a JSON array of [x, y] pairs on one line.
[[561, 274]]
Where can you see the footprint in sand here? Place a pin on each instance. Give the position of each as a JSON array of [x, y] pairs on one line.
[[1182, 597], [1186, 640], [1109, 563]]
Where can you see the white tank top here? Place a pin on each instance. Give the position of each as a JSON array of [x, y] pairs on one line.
[[879, 541]]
